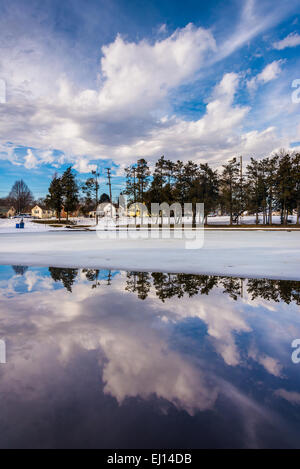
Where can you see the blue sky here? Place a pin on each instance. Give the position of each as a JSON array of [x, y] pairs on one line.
[[106, 82]]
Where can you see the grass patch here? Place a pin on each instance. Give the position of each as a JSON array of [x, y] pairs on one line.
[[54, 222]]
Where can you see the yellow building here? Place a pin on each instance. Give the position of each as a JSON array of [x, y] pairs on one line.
[[137, 210], [11, 212], [41, 212], [4, 212]]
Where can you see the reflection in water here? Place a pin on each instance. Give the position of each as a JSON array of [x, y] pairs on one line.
[[20, 269], [66, 276], [169, 285], [202, 361]]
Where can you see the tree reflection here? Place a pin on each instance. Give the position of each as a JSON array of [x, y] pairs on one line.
[[166, 286], [232, 286], [92, 275], [66, 276], [276, 290], [20, 269], [139, 283]]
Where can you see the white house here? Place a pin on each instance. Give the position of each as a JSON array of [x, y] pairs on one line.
[[106, 209]]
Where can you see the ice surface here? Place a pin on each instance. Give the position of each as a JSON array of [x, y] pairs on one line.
[[237, 253]]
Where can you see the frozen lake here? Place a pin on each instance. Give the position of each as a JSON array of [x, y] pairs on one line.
[[274, 254], [106, 359]]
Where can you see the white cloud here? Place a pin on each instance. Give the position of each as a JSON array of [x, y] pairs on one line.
[[82, 166], [290, 396], [137, 75], [254, 18], [269, 73], [292, 40], [129, 114], [30, 160], [270, 364]]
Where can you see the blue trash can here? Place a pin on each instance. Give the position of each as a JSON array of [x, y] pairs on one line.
[[17, 225]]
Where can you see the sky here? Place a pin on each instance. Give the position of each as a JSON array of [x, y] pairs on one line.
[[105, 82]]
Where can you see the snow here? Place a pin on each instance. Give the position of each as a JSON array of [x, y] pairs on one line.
[[271, 254], [9, 225], [247, 220]]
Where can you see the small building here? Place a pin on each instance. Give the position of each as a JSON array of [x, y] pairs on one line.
[[106, 209], [7, 212], [3, 212], [11, 212], [137, 210], [63, 213], [42, 212]]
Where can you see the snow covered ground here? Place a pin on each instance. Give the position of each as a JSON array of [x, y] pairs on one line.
[[247, 220], [274, 254], [9, 225]]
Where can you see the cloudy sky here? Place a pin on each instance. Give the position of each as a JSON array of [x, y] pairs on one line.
[[105, 82]]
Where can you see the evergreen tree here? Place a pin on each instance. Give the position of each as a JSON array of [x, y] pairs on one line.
[[209, 189], [131, 184], [270, 172], [54, 199], [180, 184], [296, 179], [104, 198], [230, 188], [142, 178], [254, 188], [285, 185], [193, 186], [70, 191], [91, 190]]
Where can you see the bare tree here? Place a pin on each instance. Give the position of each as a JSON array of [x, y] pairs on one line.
[[20, 196]]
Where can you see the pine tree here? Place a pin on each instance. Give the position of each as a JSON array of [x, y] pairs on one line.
[[142, 178], [91, 190], [284, 185], [193, 186], [131, 184], [209, 189], [296, 179], [230, 187], [54, 199], [254, 188], [180, 185], [270, 165], [156, 191], [70, 191]]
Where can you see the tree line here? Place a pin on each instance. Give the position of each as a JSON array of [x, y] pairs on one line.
[[266, 185], [64, 193], [167, 286]]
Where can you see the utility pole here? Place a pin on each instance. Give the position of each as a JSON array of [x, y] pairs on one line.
[[96, 174], [134, 186], [241, 182], [109, 278], [97, 185], [109, 184]]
